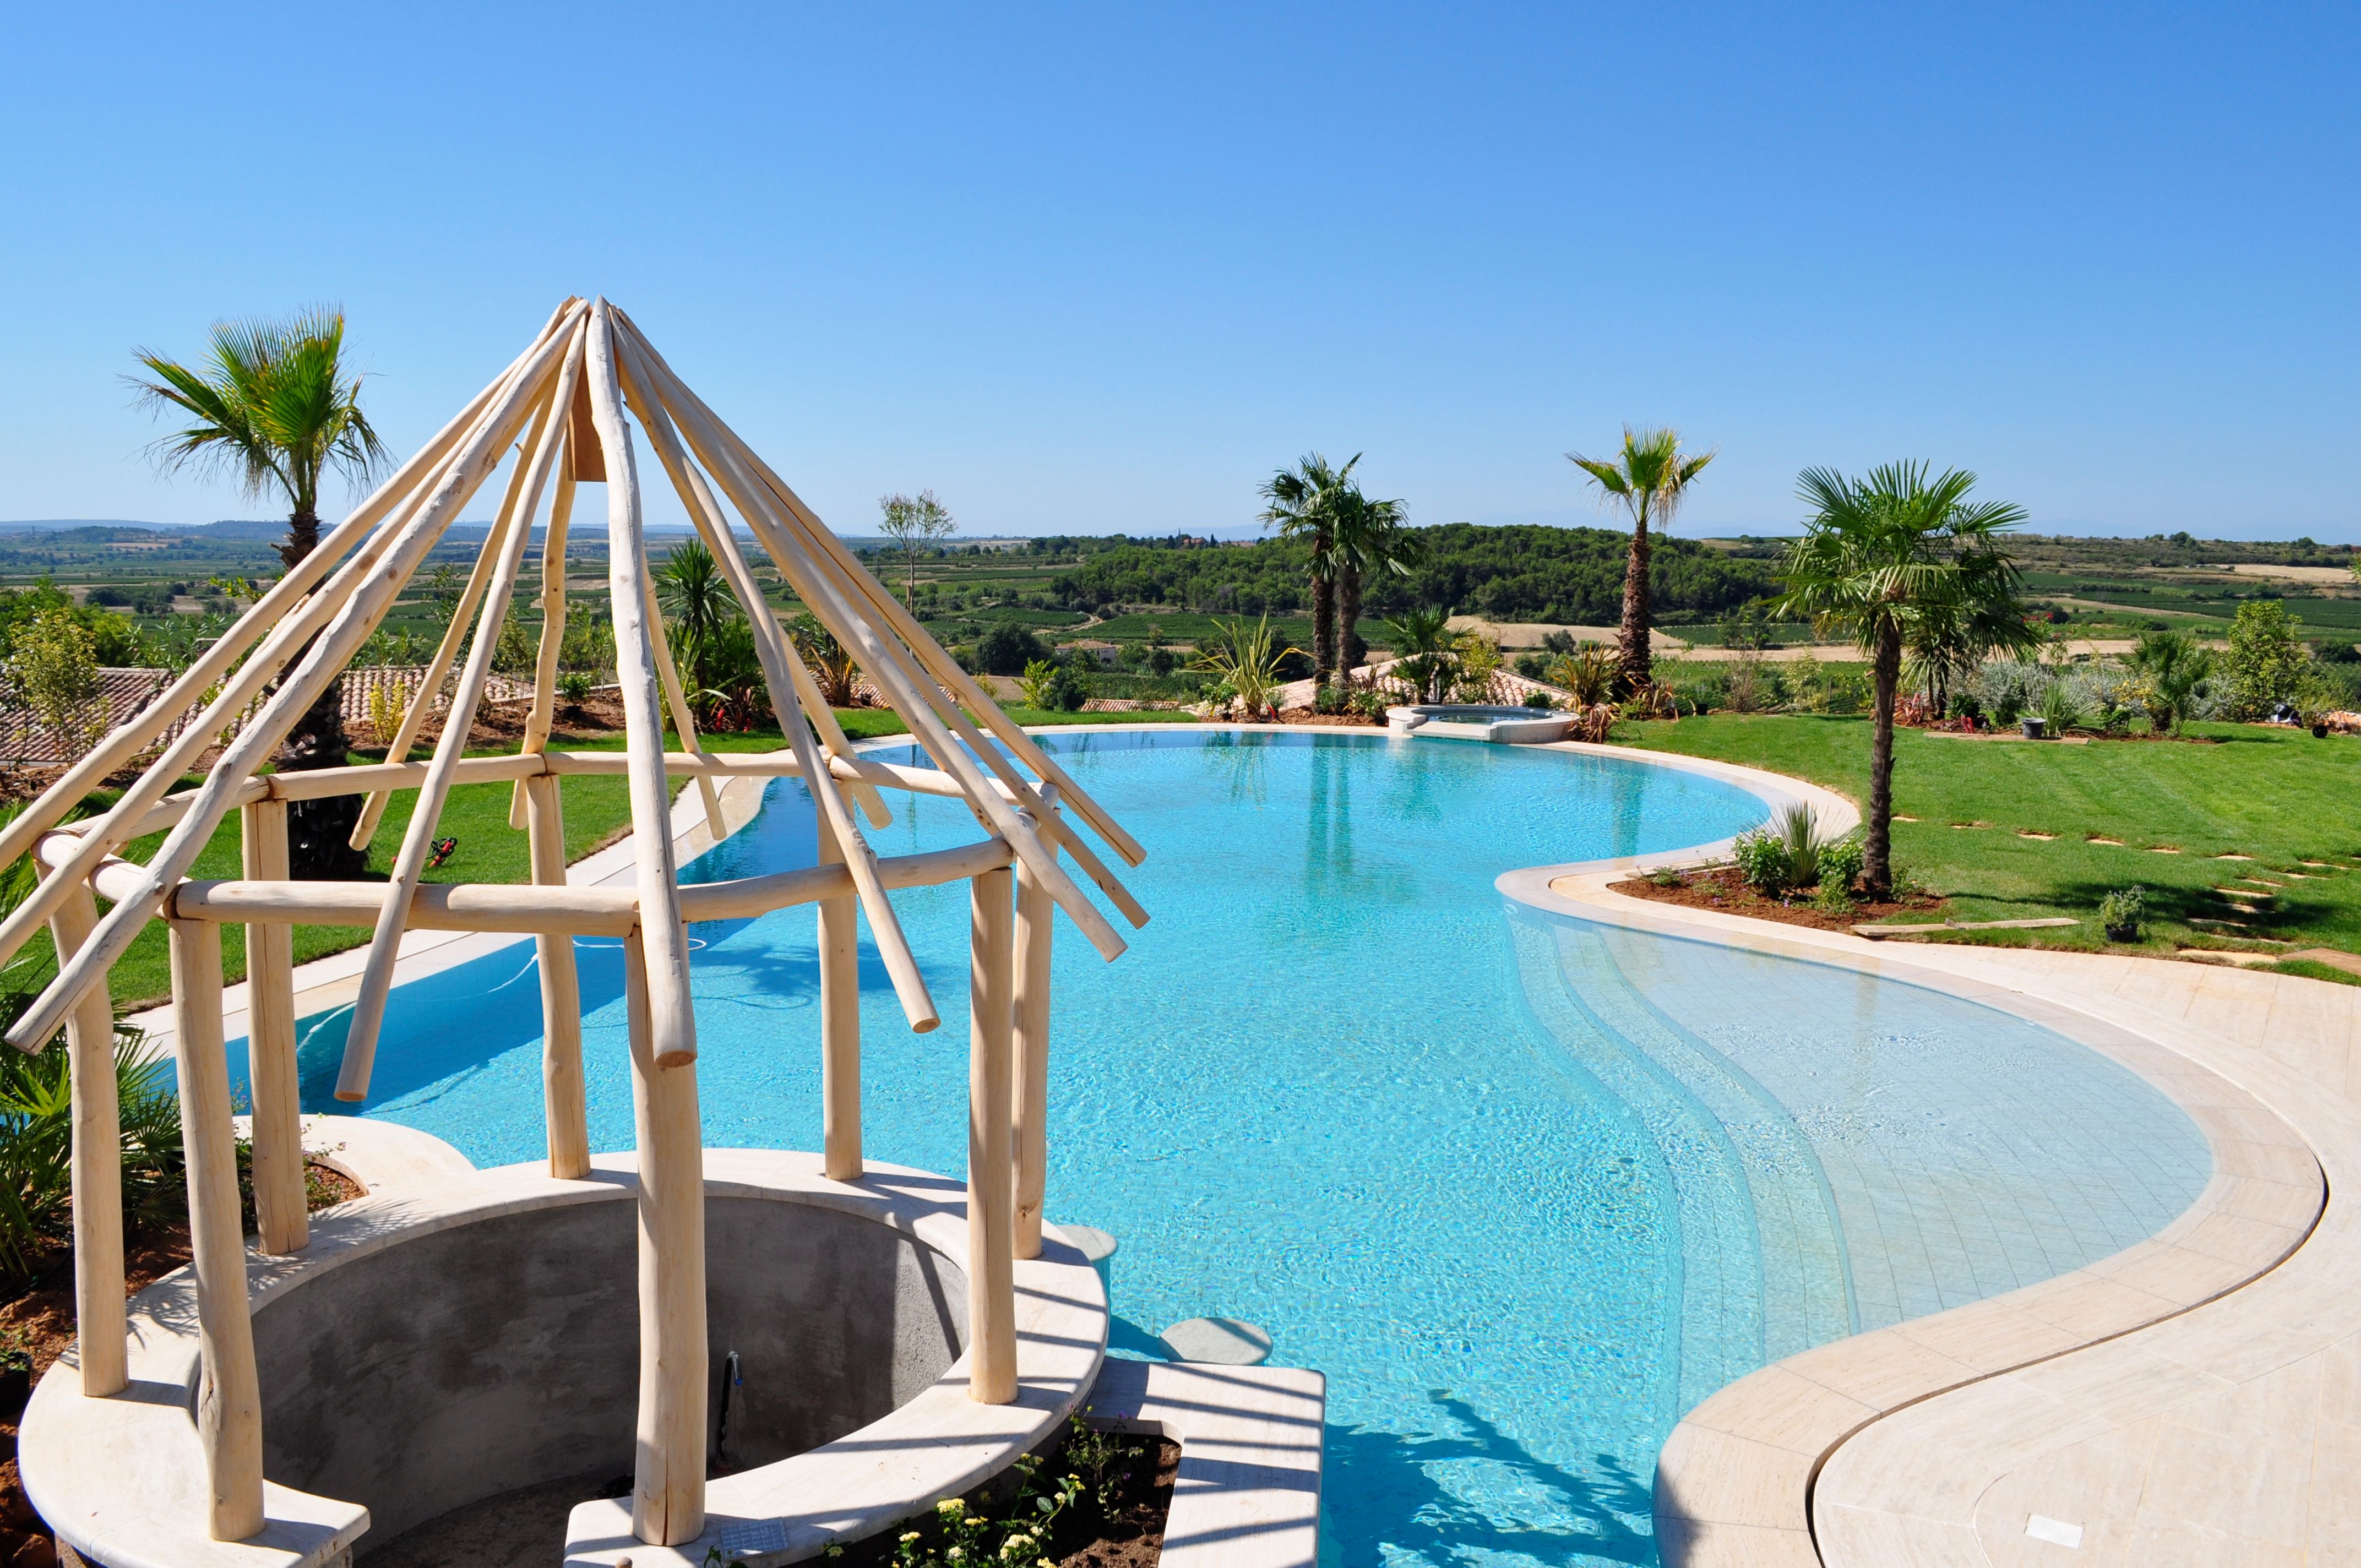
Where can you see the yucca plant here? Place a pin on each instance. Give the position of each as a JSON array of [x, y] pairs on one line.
[[1247, 660], [1589, 672]]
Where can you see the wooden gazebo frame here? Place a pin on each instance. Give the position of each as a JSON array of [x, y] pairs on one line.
[[563, 404]]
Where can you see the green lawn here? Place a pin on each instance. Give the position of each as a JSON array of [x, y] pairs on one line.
[[2276, 795]]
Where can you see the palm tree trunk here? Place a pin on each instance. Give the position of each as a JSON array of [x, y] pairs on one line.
[[1323, 628], [318, 832], [1350, 648], [1635, 668], [1877, 859]]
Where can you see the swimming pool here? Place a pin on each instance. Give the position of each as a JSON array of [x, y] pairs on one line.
[[1524, 1186]]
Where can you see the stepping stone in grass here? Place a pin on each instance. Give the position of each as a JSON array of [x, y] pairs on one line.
[[2262, 881], [2045, 838], [2201, 920], [2334, 958], [2233, 857], [2095, 838], [1966, 825], [2323, 866], [2162, 850], [1899, 818]]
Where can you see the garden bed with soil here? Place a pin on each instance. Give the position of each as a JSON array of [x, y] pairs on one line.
[[1724, 888], [41, 1320], [1122, 1492]]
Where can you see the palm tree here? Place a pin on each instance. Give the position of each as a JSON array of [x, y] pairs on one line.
[[2174, 665], [1302, 503], [696, 599], [1370, 536], [272, 404], [1883, 561], [1648, 479], [1426, 649]]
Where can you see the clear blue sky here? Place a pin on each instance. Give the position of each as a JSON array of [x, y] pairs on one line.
[[1100, 267]]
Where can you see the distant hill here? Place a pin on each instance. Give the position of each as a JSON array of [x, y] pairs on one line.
[[226, 528]]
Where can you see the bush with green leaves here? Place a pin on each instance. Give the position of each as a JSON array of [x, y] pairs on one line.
[[2121, 912], [36, 1146], [1006, 648], [1540, 700], [1035, 682], [2268, 662], [1793, 851]]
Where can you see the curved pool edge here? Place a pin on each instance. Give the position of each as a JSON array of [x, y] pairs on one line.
[[1925, 1441]]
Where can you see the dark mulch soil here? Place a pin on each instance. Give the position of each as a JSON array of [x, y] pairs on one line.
[[1725, 890], [42, 1318]]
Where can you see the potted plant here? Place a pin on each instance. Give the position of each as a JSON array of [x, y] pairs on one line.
[[2120, 912]]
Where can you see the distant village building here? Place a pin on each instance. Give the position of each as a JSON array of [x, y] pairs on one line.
[[1092, 648]]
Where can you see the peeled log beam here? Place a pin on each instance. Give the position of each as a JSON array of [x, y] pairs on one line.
[[532, 909], [129, 738], [462, 907], [663, 946], [367, 596], [283, 1217], [95, 1167], [230, 1402]]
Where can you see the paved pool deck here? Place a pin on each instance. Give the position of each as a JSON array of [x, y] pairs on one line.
[[2193, 1399]]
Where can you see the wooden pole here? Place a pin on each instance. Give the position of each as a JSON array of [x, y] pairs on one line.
[[886, 666], [564, 1100], [96, 1166], [1030, 1129], [671, 1016], [553, 623], [778, 656], [418, 839], [229, 1405], [281, 1213], [991, 1235], [790, 685], [269, 613], [684, 720], [668, 1480], [489, 561], [839, 1024], [366, 597], [890, 611]]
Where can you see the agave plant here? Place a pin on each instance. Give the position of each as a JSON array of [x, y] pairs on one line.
[[1247, 660]]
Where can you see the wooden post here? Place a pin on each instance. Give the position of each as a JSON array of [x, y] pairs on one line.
[[839, 1018], [991, 1267], [281, 1213], [1030, 1130], [360, 594], [668, 1481], [663, 941], [229, 1406], [563, 1099], [96, 1165], [418, 839]]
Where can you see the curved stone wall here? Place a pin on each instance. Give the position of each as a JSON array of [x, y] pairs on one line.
[[503, 1352]]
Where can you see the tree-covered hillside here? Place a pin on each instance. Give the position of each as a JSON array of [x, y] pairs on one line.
[[1570, 575]]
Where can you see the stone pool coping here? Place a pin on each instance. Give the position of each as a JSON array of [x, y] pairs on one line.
[[123, 1477], [2194, 1397]]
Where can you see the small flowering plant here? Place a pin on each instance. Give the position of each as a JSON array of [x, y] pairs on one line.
[[964, 1534]]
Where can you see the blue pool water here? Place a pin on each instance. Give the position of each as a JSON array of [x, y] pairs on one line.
[[1525, 1188]]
